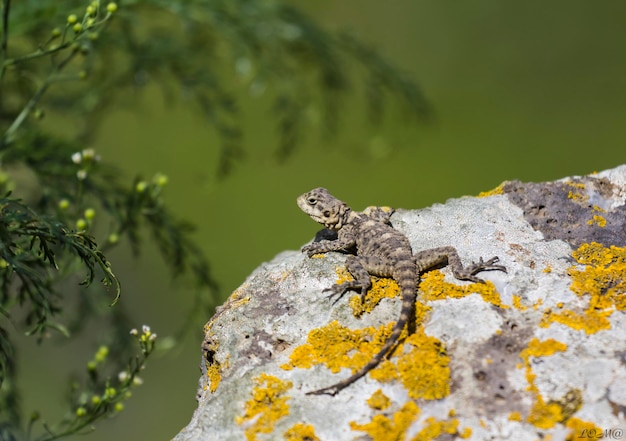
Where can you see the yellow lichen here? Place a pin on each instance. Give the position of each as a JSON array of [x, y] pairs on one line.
[[515, 416], [517, 303], [543, 415], [537, 348], [384, 428], [301, 432], [214, 374], [433, 287], [578, 194], [421, 363], [379, 400], [267, 405], [381, 288], [466, 433], [547, 269], [547, 415], [604, 277], [498, 190], [213, 366], [598, 220], [602, 281], [580, 429], [337, 347], [591, 321], [578, 197], [422, 369], [435, 428]]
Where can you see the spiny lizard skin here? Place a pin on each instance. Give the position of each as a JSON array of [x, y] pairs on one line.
[[380, 251]]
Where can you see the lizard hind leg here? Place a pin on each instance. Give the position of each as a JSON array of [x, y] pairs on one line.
[[361, 268], [437, 257]]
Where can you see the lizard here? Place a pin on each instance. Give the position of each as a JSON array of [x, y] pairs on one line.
[[381, 251]]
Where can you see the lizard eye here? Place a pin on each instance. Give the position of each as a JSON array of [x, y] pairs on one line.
[[327, 213], [312, 201]]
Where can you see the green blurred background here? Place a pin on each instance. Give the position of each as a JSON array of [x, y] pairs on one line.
[[527, 90]]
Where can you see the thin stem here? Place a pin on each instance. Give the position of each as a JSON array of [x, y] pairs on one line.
[[40, 53], [8, 136], [6, 4]]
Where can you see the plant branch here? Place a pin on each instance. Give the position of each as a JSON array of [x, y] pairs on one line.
[[5, 36]]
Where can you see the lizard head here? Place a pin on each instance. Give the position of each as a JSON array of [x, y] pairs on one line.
[[324, 208]]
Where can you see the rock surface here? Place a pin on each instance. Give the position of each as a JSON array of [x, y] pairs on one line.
[[537, 353]]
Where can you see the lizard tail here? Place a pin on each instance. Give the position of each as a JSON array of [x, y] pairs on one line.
[[407, 283]]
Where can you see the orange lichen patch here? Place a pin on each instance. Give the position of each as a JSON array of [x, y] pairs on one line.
[[497, 190], [213, 366], [421, 363], [434, 428], [604, 277], [379, 400], [465, 433], [517, 303], [598, 220], [578, 193], [591, 321], [602, 281], [393, 428], [267, 405], [338, 347], [382, 288], [544, 348], [515, 416], [301, 432], [422, 367], [580, 429], [543, 415], [433, 287], [214, 374]]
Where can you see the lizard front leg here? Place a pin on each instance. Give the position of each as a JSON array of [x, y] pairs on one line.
[[342, 243]]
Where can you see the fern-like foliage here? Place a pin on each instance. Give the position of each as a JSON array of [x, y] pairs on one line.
[[62, 208]]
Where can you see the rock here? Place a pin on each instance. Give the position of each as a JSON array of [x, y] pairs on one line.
[[535, 353]]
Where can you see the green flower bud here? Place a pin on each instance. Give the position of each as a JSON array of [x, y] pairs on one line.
[[141, 186], [161, 180], [81, 224], [72, 19], [112, 7]]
